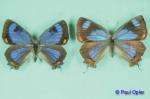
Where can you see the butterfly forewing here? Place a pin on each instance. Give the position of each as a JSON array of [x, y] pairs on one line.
[[55, 35], [135, 29], [15, 34], [88, 30]]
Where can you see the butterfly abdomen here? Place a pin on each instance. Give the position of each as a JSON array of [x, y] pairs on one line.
[[36, 49], [112, 42]]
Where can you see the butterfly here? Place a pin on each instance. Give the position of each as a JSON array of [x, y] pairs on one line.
[[126, 41], [49, 46]]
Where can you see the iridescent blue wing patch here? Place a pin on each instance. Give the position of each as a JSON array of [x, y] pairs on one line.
[[88, 30], [135, 29], [53, 54], [57, 34], [93, 52], [16, 55], [130, 50], [15, 34]]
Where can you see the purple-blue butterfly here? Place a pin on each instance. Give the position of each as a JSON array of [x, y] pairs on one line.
[[48, 47], [126, 41]]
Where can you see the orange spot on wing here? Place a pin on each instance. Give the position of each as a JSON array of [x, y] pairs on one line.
[[89, 61], [80, 39], [58, 63], [135, 59]]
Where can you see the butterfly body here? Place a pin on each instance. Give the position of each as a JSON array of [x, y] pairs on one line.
[[48, 46], [112, 43], [126, 41], [35, 49]]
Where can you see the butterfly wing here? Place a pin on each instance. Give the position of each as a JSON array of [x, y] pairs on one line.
[[135, 29], [57, 34], [15, 34], [53, 54], [95, 38], [130, 50], [127, 40], [88, 30], [93, 52], [17, 54]]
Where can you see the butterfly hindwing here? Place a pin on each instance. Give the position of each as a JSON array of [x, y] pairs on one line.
[[92, 52], [88, 30], [131, 50], [57, 34], [135, 29], [15, 34], [17, 54], [53, 54]]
